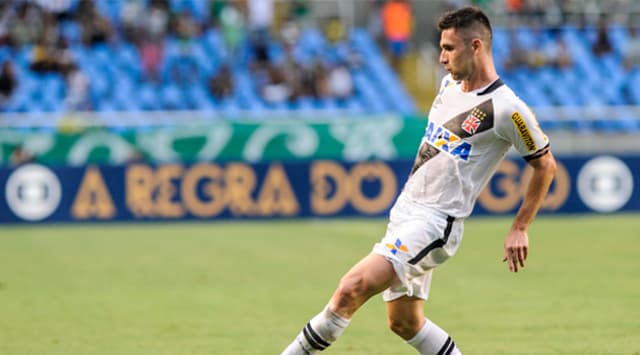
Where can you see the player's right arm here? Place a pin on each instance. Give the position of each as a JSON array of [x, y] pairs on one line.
[[516, 245], [523, 131]]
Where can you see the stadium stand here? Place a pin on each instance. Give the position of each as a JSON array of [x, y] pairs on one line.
[[117, 76], [95, 56]]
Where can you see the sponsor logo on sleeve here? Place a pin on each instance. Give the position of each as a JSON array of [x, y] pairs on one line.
[[524, 132]]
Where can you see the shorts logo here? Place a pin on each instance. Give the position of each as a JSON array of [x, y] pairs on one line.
[[397, 246], [473, 121], [446, 141], [518, 121]]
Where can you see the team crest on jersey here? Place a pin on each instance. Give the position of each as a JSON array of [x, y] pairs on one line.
[[446, 141], [473, 121], [397, 246]]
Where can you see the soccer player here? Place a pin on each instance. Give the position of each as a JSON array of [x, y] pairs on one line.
[[474, 120]]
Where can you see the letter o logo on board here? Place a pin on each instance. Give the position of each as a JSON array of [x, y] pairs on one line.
[[605, 184], [33, 192]]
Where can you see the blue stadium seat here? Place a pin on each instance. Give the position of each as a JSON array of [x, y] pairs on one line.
[[197, 98], [109, 9], [148, 95], [116, 74], [71, 31], [127, 58], [198, 8], [172, 97], [229, 108], [312, 40], [214, 44], [353, 106]]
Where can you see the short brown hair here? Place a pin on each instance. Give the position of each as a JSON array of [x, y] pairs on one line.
[[468, 18]]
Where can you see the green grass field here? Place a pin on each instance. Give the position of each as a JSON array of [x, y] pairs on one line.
[[248, 288]]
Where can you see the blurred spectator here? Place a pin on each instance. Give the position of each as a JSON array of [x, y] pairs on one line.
[[20, 156], [8, 82], [7, 14], [353, 58], [485, 5], [186, 28], [132, 17], [374, 22], [151, 53], [538, 56], [534, 11], [26, 27], [320, 79], [631, 50], [312, 78], [335, 30], [518, 56], [260, 18], [184, 69], [60, 9], [340, 83], [95, 27], [44, 57], [77, 98], [289, 33], [276, 89], [215, 10], [51, 32], [221, 84], [300, 11], [306, 79], [602, 44], [514, 6], [156, 25], [149, 23], [559, 54], [232, 26], [397, 21], [294, 76]]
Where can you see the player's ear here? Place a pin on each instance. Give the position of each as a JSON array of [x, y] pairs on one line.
[[476, 44]]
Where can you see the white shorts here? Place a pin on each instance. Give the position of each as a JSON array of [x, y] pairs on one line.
[[417, 240]]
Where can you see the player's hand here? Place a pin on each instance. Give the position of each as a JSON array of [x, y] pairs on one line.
[[516, 249]]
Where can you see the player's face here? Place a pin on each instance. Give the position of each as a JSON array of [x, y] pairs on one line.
[[455, 55]]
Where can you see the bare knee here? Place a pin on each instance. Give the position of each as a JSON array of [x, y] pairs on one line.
[[368, 277], [406, 328], [351, 287], [351, 293]]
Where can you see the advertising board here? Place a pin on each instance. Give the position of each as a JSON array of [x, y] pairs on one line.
[[316, 188]]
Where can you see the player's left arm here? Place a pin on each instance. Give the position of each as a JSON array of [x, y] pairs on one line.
[[516, 245]]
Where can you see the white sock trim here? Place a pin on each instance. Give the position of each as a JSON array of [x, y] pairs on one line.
[[433, 340], [422, 333], [335, 318]]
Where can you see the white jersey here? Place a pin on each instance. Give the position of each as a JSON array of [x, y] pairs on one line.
[[467, 136]]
